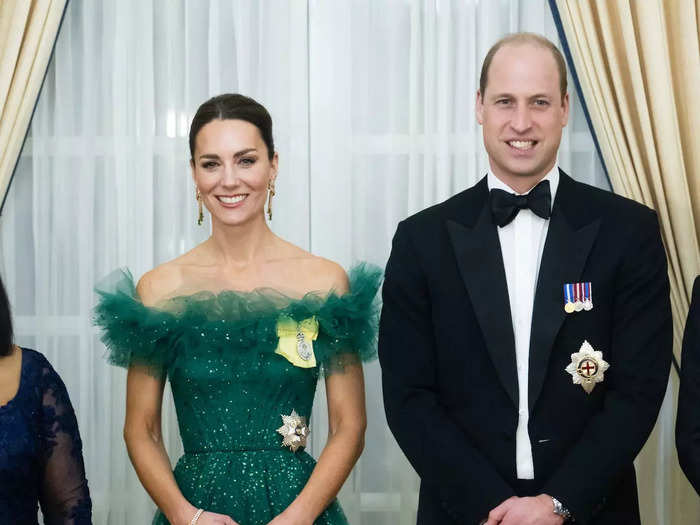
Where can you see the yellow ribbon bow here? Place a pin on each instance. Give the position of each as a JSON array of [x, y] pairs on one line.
[[296, 341]]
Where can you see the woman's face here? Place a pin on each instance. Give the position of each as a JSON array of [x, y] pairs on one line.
[[232, 170]]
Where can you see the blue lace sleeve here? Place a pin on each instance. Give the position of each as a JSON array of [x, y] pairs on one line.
[[64, 494]]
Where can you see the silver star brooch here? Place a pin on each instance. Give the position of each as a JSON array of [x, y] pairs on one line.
[[294, 430]]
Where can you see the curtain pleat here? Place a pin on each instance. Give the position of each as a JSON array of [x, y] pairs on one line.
[[28, 31], [639, 68]]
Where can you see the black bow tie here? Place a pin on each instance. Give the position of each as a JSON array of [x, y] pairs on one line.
[[505, 206]]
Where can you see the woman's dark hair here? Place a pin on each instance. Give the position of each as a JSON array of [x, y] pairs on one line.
[[6, 335], [233, 106]]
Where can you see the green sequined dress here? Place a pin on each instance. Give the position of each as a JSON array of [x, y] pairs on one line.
[[231, 387]]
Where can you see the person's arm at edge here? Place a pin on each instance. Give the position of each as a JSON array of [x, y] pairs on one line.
[[688, 420], [63, 494]]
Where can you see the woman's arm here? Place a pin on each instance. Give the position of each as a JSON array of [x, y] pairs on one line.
[[144, 441], [63, 494], [143, 432], [347, 422]]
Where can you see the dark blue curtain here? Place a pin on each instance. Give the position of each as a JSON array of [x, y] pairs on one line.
[[574, 76]]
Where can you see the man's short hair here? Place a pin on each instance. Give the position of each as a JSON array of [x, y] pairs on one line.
[[525, 38]]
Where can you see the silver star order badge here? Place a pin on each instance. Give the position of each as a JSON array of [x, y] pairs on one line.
[[294, 430], [587, 367]]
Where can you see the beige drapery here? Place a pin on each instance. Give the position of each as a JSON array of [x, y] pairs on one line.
[[27, 33], [638, 63]]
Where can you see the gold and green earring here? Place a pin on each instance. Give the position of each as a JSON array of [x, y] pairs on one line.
[[270, 194], [200, 218]]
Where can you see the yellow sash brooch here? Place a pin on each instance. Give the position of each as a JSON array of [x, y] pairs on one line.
[[296, 340]]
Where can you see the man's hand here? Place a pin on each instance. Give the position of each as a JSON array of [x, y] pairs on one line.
[[525, 511], [498, 513]]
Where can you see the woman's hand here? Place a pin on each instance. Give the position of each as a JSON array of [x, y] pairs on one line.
[[283, 520], [212, 518], [290, 518]]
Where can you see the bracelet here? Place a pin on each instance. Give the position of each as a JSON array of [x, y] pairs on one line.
[[196, 517]]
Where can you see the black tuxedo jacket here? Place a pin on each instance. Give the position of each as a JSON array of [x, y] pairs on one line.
[[688, 420], [447, 352]]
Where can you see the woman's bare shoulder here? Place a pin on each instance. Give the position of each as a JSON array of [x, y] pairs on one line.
[[321, 275], [313, 273], [159, 283], [331, 275], [170, 278]]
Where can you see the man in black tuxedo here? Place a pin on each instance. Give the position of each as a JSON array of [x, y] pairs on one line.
[[688, 420], [525, 338]]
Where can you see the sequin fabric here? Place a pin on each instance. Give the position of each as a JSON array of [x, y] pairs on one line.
[[41, 452], [230, 387]]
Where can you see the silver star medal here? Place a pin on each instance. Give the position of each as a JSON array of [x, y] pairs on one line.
[[294, 430], [587, 367]]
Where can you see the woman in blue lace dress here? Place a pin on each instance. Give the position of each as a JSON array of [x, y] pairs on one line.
[[41, 458]]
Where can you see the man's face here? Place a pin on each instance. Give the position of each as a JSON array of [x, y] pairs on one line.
[[522, 112]]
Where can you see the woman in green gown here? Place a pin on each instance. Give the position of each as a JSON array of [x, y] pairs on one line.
[[243, 326]]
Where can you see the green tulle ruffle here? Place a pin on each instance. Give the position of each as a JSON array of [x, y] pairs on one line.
[[235, 322]]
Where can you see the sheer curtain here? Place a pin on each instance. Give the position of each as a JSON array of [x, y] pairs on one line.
[[392, 130], [373, 109]]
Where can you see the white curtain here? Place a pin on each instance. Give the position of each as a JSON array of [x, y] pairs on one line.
[[372, 102]]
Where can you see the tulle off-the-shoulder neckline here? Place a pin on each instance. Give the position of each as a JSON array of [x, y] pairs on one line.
[[155, 336]]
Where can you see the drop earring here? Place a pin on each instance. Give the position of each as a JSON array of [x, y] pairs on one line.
[[270, 194], [200, 218]]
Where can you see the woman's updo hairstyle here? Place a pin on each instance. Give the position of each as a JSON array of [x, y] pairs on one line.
[[230, 106]]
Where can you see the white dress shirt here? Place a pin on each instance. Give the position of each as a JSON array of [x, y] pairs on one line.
[[522, 243]]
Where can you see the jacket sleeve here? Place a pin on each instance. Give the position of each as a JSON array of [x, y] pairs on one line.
[[688, 420], [641, 340], [468, 485]]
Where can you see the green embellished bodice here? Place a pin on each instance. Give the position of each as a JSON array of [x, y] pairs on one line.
[[237, 362]]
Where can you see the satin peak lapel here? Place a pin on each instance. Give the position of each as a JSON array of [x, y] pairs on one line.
[[563, 259], [480, 263]]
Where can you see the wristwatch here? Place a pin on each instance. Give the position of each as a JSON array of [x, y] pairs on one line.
[[561, 510]]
